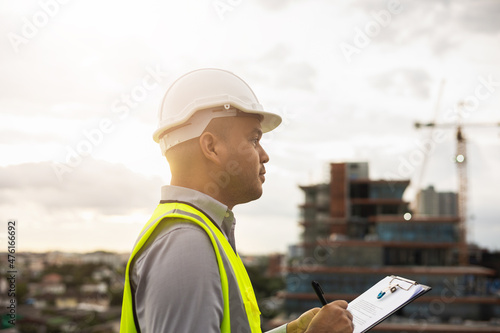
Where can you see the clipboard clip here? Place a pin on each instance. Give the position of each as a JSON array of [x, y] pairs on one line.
[[394, 286]]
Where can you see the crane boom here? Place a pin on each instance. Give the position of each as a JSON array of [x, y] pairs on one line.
[[462, 195], [461, 160]]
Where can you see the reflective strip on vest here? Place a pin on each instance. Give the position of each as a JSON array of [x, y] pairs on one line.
[[241, 312]]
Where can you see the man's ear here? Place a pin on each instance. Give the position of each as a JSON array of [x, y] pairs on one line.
[[211, 146]]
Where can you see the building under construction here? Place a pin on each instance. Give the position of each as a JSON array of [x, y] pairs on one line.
[[356, 231]]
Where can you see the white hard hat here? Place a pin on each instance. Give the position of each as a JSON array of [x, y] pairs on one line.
[[213, 92]]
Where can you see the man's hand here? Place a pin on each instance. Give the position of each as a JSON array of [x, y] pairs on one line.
[[332, 318], [300, 324]]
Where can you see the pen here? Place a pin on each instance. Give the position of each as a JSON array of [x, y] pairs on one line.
[[319, 292], [391, 288]]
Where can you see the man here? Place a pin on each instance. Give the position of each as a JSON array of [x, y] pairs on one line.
[[184, 274]]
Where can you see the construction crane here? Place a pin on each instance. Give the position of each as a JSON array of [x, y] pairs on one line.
[[461, 161], [418, 182]]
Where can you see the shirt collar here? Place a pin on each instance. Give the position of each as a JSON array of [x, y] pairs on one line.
[[215, 210]]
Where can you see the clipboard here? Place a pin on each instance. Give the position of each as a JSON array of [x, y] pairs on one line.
[[383, 299]]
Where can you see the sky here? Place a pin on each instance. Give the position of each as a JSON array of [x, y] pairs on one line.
[[81, 82]]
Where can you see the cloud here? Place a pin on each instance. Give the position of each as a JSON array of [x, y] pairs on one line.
[[95, 185], [8, 136], [99, 205], [442, 25], [68, 77], [408, 82], [275, 5], [479, 17], [279, 66]]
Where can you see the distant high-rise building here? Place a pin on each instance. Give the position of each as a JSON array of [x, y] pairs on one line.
[[357, 170], [357, 230], [448, 203], [432, 203]]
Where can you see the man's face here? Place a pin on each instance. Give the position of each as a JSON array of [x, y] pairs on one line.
[[244, 159]]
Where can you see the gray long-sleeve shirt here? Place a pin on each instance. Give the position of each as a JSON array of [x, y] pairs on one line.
[[175, 277]]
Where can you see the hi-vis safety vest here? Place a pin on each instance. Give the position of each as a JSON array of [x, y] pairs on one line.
[[241, 312]]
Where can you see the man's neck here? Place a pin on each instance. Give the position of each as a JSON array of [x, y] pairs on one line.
[[208, 187]]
